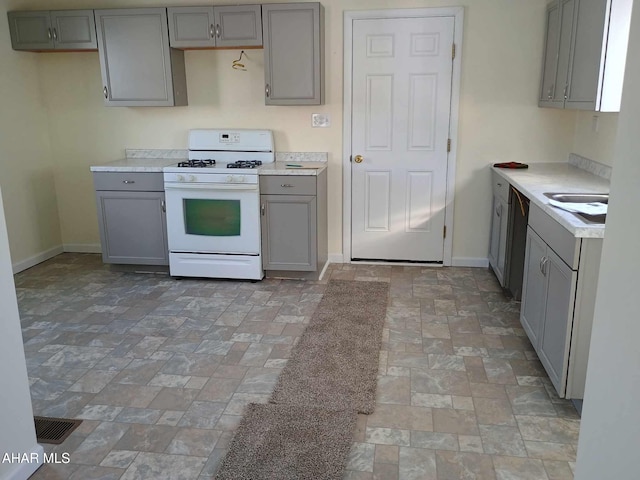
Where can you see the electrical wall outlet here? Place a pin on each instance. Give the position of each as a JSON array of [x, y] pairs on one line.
[[320, 120]]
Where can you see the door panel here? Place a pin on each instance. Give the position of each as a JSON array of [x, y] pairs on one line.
[[401, 91], [534, 288], [562, 72]]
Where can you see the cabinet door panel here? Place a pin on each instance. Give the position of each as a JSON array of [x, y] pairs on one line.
[[494, 243], [289, 232], [558, 320], [587, 44], [550, 64], [564, 49], [292, 45], [534, 288], [191, 27], [135, 57], [239, 26], [74, 30], [502, 247], [30, 30], [132, 227]]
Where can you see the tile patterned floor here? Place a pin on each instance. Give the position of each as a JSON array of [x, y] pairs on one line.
[[160, 370]]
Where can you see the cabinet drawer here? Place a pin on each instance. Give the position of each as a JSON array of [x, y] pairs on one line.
[[130, 182], [288, 185], [556, 236], [500, 187]]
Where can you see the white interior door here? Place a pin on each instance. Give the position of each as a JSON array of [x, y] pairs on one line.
[[401, 106]]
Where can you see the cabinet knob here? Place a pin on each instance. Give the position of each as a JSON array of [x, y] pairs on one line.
[[106, 92], [212, 32], [267, 90], [128, 182], [163, 205], [49, 35], [566, 87], [55, 34], [262, 209], [218, 30]]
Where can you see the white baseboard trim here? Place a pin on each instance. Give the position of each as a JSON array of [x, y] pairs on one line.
[[24, 470], [335, 258], [82, 247], [36, 259], [469, 262]]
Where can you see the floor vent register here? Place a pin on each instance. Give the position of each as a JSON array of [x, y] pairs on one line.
[[54, 430]]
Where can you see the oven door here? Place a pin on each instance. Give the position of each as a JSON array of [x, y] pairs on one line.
[[213, 218]]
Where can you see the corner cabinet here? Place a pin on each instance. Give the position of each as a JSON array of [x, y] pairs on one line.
[[215, 27], [560, 281], [138, 66], [294, 224], [131, 218], [293, 53], [499, 228], [585, 54], [58, 30]]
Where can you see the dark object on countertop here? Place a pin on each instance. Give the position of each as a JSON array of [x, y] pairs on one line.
[[511, 165]]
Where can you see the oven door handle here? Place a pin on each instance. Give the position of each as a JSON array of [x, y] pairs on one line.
[[212, 187]]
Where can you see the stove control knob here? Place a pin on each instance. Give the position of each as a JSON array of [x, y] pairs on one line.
[[180, 178], [192, 178]]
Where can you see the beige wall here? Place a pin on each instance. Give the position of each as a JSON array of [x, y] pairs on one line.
[[26, 161], [499, 117], [595, 136]]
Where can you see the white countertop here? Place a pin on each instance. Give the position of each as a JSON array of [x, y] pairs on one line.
[[280, 168], [156, 165], [136, 165], [558, 178]]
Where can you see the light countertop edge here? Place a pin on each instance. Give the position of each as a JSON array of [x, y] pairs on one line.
[[136, 165], [558, 178], [280, 168]]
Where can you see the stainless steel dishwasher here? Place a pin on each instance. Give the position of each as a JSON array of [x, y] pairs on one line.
[[516, 241]]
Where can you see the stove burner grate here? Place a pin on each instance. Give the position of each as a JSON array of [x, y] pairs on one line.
[[197, 163], [245, 164]]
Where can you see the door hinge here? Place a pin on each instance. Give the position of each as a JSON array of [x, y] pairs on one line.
[[453, 51], [448, 145], [444, 232], [350, 158]]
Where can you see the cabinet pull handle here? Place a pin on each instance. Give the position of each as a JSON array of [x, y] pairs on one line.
[[163, 205], [541, 265], [106, 92], [550, 93], [218, 30], [499, 184], [49, 34], [286, 185], [267, 90], [212, 32], [544, 265], [566, 88], [55, 34], [262, 209], [128, 182]]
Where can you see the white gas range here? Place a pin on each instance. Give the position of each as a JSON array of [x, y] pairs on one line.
[[213, 205]]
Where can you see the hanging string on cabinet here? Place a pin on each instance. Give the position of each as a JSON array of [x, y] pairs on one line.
[[236, 65]]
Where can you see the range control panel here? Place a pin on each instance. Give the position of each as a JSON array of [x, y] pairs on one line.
[[229, 138]]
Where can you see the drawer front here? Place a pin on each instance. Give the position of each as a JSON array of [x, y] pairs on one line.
[[563, 243], [131, 182], [500, 187], [288, 185]]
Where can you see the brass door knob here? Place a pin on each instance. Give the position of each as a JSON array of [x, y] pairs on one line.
[[358, 158]]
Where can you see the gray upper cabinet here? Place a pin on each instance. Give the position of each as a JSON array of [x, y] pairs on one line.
[[585, 54], [138, 66], [61, 30], [294, 53], [209, 27]]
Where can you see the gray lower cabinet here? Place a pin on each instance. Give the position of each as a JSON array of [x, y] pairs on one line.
[[499, 228], [138, 66], [293, 53], [293, 223], [558, 297], [61, 30], [131, 218]]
